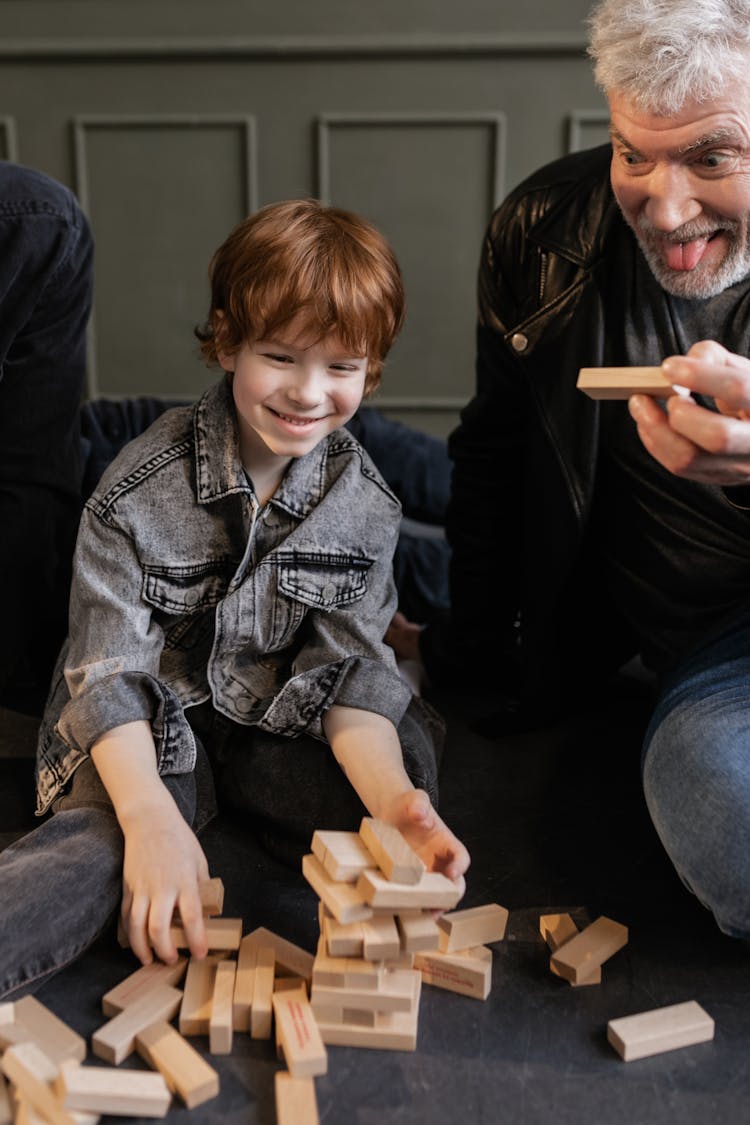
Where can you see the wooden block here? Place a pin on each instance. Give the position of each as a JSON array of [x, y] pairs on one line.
[[590, 949], [261, 1009], [418, 931], [140, 982], [463, 929], [399, 992], [10, 1031], [394, 857], [557, 929], [297, 1031], [662, 1029], [107, 1089], [342, 854], [343, 939], [467, 973], [344, 901], [290, 984], [291, 960], [433, 892], [212, 896], [184, 1070], [622, 382], [393, 1031], [220, 1021], [222, 934], [26, 1114], [195, 1010], [115, 1040], [295, 1100], [345, 972], [380, 938], [32, 1072], [58, 1041], [244, 985]]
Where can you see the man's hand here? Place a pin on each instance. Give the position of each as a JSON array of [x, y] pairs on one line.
[[689, 440]]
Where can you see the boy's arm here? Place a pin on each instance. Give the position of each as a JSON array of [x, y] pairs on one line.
[[367, 747], [163, 859]]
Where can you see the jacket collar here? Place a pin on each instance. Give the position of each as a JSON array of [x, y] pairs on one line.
[[218, 467], [577, 226]]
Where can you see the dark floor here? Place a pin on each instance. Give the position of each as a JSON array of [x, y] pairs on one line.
[[554, 821]]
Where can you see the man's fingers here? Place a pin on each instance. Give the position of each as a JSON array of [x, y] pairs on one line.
[[720, 434]]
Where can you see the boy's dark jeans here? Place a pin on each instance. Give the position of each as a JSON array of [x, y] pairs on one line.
[[61, 884]]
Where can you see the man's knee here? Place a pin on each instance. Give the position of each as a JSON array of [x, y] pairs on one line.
[[696, 781]]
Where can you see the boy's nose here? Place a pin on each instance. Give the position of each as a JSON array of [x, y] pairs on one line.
[[307, 391]]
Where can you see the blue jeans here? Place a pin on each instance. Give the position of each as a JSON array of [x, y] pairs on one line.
[[696, 775]]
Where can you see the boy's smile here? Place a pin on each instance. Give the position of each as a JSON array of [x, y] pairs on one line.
[[290, 392]]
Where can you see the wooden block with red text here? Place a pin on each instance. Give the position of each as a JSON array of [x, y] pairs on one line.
[[141, 982], [589, 949], [469, 972], [394, 857], [115, 1040], [622, 382], [343, 855], [557, 929], [297, 1032], [662, 1029], [479, 925], [220, 1025], [295, 1100], [115, 1090], [184, 1070]]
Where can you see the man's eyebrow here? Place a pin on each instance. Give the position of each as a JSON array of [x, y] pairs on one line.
[[719, 136], [616, 135]]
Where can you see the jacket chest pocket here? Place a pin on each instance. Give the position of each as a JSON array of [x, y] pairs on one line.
[[308, 580], [185, 590]]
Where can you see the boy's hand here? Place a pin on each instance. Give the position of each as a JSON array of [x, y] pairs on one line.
[[163, 864], [428, 835]]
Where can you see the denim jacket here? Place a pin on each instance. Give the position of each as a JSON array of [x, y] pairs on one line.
[[185, 590]]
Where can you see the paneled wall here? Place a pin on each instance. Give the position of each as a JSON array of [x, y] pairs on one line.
[[173, 118]]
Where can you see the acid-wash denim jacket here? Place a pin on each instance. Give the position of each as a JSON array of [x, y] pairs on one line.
[[185, 590]]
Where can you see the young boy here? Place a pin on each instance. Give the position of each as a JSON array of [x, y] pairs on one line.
[[232, 589]]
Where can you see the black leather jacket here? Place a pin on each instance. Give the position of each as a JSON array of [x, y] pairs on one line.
[[525, 450]]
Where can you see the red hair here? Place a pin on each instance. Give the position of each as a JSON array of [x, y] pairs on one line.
[[331, 267]]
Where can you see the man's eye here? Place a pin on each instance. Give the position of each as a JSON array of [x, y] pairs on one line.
[[631, 158], [715, 159]]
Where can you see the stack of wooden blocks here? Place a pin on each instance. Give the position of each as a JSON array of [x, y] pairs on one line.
[[380, 940]]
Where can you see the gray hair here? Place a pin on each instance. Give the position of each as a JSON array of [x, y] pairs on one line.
[[662, 53]]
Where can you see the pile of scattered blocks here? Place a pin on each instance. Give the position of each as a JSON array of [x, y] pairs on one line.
[[382, 936]]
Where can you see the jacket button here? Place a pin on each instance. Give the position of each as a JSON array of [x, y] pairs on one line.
[[329, 591], [519, 342]]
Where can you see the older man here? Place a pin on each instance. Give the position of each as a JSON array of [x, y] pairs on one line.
[[584, 532]]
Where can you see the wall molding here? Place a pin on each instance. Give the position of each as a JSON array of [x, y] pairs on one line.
[[10, 138], [577, 122], [299, 46], [328, 121], [84, 124]]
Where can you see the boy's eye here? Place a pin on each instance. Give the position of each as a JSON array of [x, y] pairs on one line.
[[278, 358]]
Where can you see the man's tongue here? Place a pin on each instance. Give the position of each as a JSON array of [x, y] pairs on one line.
[[685, 255]]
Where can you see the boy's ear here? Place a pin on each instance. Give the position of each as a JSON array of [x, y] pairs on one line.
[[225, 358]]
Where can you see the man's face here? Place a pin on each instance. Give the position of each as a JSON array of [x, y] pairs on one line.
[[683, 185]]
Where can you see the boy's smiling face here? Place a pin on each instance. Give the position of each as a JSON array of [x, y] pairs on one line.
[[291, 391]]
